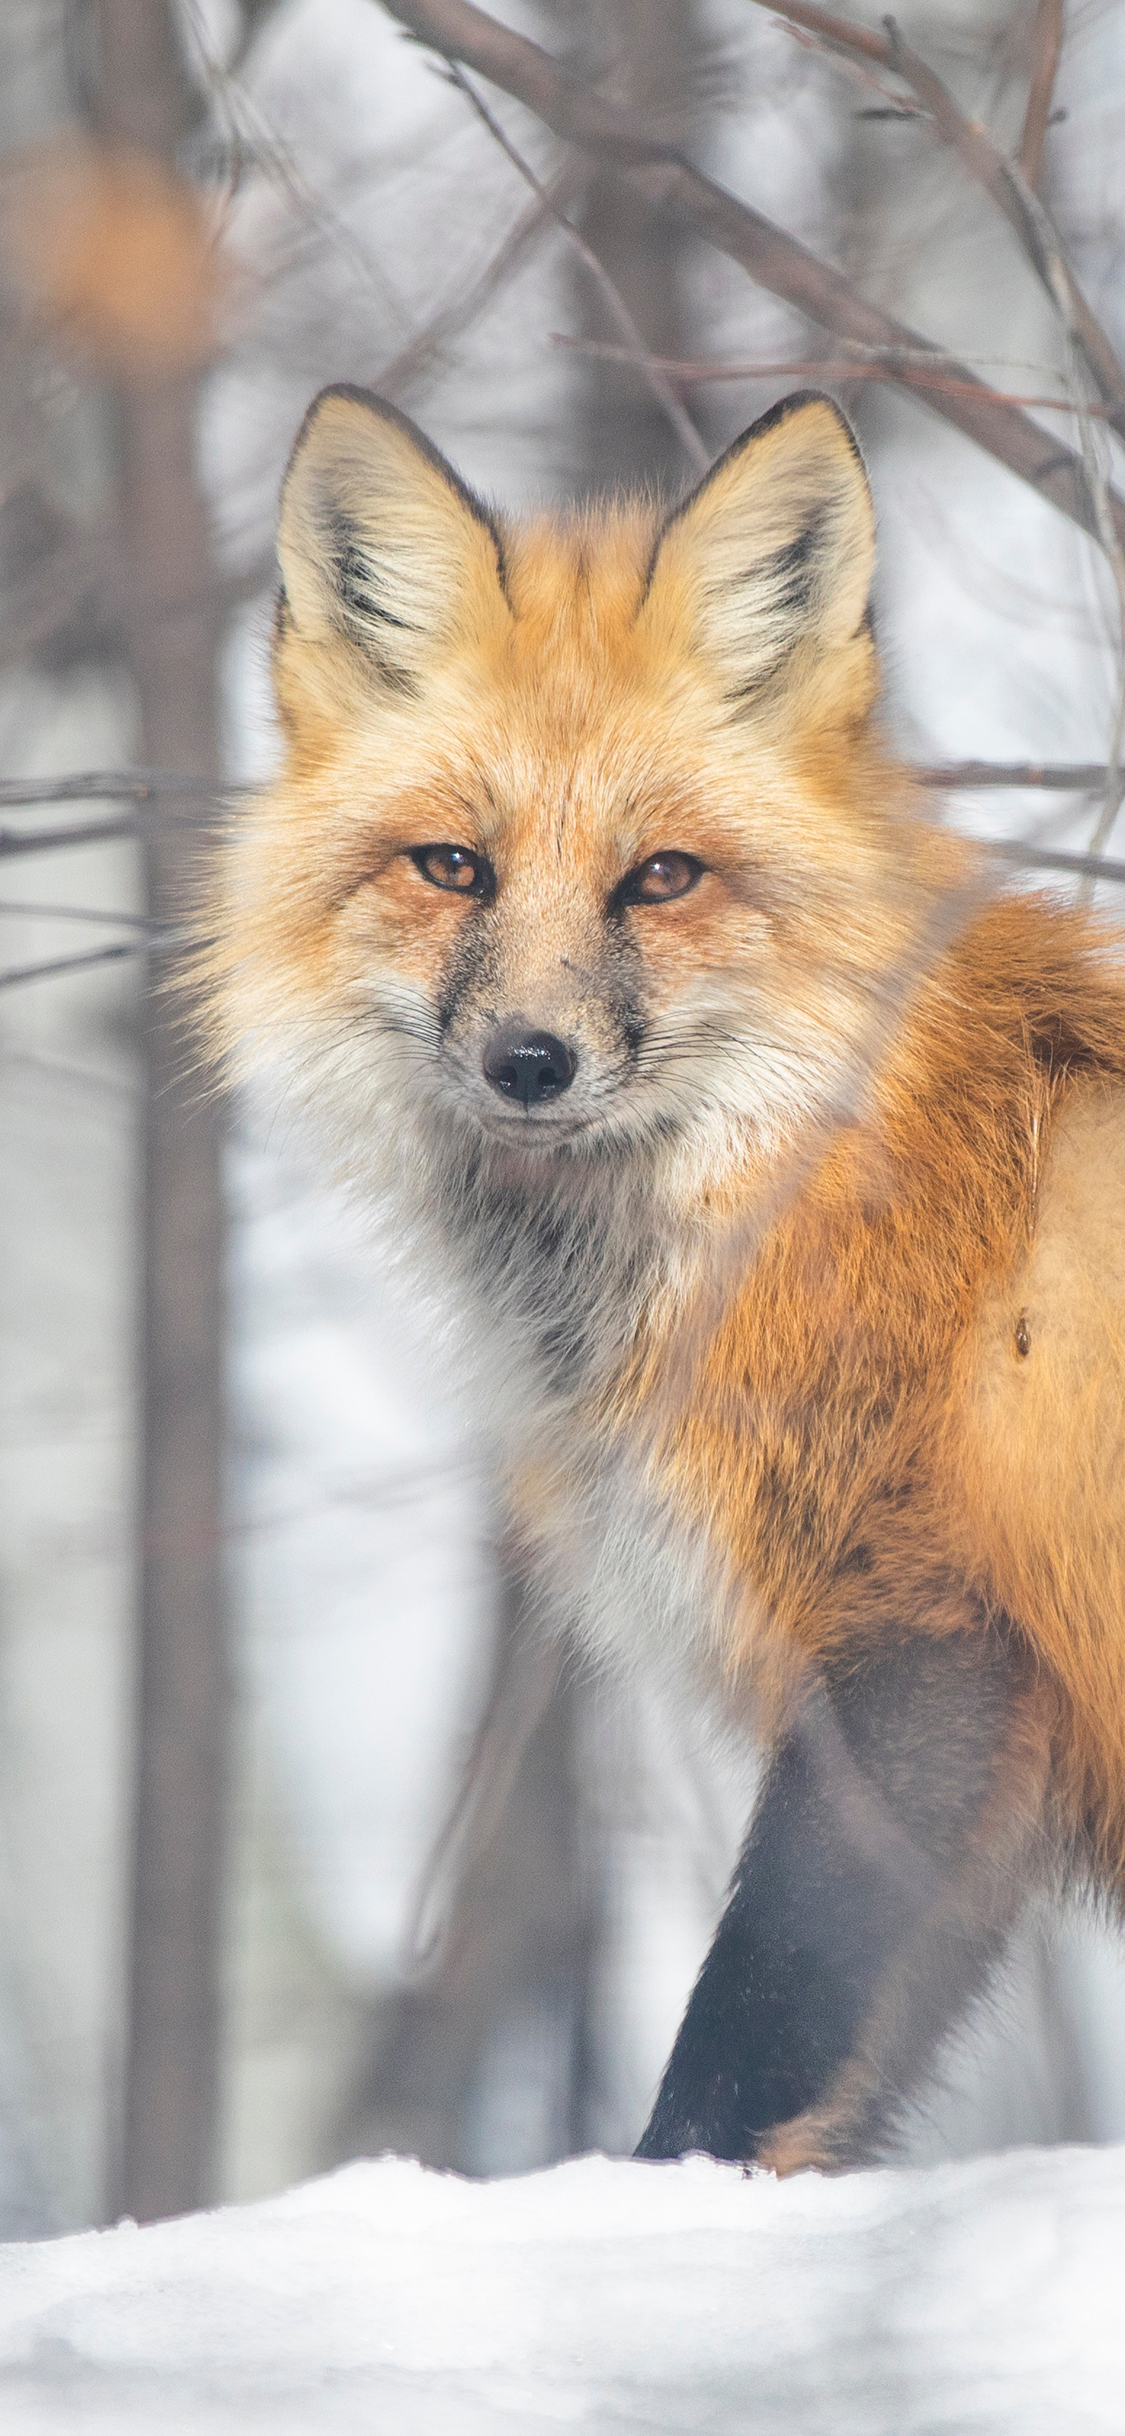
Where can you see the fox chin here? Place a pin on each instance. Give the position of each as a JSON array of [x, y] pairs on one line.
[[773, 1162]]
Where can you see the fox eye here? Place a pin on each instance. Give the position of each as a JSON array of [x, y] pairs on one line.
[[455, 867], [663, 877]]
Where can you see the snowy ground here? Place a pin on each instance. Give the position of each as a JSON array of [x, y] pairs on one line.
[[605, 2296]]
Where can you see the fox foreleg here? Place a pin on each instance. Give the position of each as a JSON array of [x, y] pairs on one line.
[[886, 1862]]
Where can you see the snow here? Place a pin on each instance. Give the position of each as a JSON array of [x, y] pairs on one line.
[[601, 2295]]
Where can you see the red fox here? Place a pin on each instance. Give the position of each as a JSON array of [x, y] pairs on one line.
[[774, 1167]]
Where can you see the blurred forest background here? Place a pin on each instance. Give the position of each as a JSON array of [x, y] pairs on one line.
[[256, 1628]]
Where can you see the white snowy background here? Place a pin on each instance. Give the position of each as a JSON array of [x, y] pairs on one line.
[[973, 2294]]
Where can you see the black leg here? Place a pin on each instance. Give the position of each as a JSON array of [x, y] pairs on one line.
[[881, 1873]]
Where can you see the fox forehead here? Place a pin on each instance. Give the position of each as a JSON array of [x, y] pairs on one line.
[[565, 778], [571, 699], [576, 583], [575, 736]]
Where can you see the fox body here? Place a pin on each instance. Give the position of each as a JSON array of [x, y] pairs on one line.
[[773, 1168]]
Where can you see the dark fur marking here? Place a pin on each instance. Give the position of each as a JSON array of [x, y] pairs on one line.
[[354, 574], [467, 967], [788, 578], [562, 1253], [868, 1810], [633, 1032], [790, 571], [355, 584], [856, 1559], [1059, 1048]]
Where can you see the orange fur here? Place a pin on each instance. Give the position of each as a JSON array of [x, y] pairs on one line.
[[867, 1424], [872, 1114]]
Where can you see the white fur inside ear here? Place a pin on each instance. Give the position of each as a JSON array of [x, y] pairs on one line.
[[378, 541], [775, 549]]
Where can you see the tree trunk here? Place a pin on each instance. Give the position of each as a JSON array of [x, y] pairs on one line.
[[170, 2100], [648, 47]]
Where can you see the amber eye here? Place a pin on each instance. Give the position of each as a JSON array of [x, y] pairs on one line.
[[663, 877], [455, 867]]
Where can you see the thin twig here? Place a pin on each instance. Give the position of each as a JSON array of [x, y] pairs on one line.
[[1001, 177], [623, 137], [246, 119], [112, 786], [883, 366], [841, 32], [1115, 556], [78, 913], [1004, 180], [1088, 348], [894, 105], [447, 323], [43, 841], [71, 964], [1046, 49], [1056, 777], [1087, 867], [158, 788], [691, 441], [1068, 306]]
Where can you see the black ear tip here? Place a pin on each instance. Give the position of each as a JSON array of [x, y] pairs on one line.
[[782, 411], [350, 393]]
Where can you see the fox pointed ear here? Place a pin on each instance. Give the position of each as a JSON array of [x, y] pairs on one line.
[[774, 551], [381, 546]]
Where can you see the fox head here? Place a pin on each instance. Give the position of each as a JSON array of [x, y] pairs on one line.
[[584, 844]]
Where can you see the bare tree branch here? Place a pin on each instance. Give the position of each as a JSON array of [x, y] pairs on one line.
[[41, 841], [113, 786], [1087, 867], [1068, 304], [894, 105], [691, 441], [21, 910], [1057, 777], [1001, 178], [70, 964], [616, 134], [840, 31], [447, 324], [1046, 48], [1005, 182], [847, 366], [156, 788]]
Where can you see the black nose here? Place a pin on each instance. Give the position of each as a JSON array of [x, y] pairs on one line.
[[528, 1066]]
